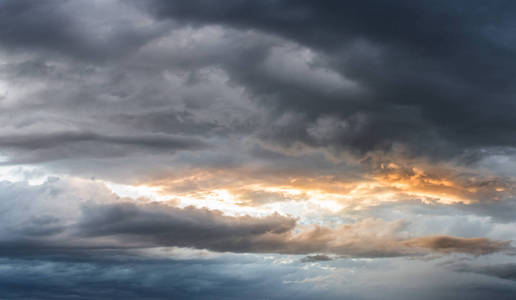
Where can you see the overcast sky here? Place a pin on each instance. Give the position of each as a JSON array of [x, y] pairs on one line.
[[257, 149]]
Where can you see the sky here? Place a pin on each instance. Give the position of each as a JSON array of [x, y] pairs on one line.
[[245, 149]]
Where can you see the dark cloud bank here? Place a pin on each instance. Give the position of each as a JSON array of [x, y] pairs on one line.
[[439, 75], [432, 79]]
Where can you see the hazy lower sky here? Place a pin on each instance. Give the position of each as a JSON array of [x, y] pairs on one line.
[[257, 149]]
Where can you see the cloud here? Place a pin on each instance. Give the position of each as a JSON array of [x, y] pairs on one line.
[[94, 34], [151, 278], [448, 244], [385, 128], [503, 271], [41, 147], [442, 183], [360, 87], [410, 72], [359, 91], [39, 141], [316, 258], [110, 222], [158, 225]]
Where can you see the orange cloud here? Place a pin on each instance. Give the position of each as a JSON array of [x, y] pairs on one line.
[[384, 182]]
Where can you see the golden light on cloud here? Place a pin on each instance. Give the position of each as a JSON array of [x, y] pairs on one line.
[[248, 192]]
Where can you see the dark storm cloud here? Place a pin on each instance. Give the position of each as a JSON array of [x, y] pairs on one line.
[[439, 76], [423, 79], [57, 26]]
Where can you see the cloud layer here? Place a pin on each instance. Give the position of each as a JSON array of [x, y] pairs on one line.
[[113, 223], [315, 145]]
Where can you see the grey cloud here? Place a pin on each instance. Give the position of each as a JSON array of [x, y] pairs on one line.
[[156, 225], [137, 278], [39, 141], [449, 244], [503, 271], [498, 211], [316, 258], [360, 88], [413, 58], [77, 144], [188, 227], [455, 57], [57, 26], [200, 278]]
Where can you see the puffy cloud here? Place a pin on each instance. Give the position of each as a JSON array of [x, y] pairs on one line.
[[454, 58], [151, 75]]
